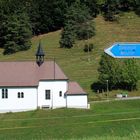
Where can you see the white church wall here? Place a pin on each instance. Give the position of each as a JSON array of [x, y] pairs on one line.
[[15, 104], [35, 97], [55, 87], [77, 101]]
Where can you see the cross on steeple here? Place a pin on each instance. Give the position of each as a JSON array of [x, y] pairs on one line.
[[39, 55]]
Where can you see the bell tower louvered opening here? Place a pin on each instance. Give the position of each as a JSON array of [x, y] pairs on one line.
[[40, 55]]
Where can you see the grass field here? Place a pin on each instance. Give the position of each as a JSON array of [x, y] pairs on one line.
[[116, 120], [74, 62]]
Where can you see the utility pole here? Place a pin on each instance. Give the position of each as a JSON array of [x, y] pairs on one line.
[[88, 54], [88, 47], [107, 88], [54, 67]]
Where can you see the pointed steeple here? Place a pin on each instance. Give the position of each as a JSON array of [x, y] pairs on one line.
[[39, 55]]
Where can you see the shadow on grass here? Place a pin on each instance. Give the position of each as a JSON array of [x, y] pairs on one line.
[[98, 87]]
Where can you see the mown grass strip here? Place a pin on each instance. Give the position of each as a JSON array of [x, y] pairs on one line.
[[20, 127], [76, 116], [81, 123]]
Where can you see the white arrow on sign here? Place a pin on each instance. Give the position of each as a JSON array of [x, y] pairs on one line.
[[124, 50]]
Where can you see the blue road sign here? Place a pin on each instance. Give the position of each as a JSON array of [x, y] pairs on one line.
[[124, 50]]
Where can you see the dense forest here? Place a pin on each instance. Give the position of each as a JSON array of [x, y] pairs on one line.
[[22, 19]]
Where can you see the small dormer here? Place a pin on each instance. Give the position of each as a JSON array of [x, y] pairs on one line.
[[39, 55]]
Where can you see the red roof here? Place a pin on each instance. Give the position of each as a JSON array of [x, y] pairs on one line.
[[74, 88], [28, 73]]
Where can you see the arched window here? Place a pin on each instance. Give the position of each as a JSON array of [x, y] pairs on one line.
[[20, 94], [60, 93], [4, 93]]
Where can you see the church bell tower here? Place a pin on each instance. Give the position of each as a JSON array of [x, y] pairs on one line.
[[39, 55]]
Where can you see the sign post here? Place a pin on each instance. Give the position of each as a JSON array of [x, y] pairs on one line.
[[124, 50]]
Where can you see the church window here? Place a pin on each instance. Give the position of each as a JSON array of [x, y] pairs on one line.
[[4, 93], [20, 94], [47, 94], [60, 93]]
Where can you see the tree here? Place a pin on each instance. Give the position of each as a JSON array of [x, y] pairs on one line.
[[17, 33], [77, 25], [126, 5], [47, 15], [109, 69], [110, 10], [15, 27], [67, 38], [137, 9], [85, 30], [2, 19], [129, 74], [119, 73], [93, 6]]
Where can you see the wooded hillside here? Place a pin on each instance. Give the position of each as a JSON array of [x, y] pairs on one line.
[[21, 19]]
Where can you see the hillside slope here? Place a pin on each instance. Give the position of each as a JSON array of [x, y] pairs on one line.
[[74, 61]]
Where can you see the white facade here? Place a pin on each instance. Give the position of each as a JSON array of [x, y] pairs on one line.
[[55, 87], [35, 97], [77, 101], [15, 104]]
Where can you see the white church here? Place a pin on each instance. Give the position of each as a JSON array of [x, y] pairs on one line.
[[29, 85]]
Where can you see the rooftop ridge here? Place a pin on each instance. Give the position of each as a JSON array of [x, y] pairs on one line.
[[22, 73], [24, 61]]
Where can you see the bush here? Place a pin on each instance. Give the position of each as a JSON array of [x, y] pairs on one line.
[[88, 48], [138, 11]]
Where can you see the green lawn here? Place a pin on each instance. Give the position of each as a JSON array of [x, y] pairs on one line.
[[114, 120], [74, 62]]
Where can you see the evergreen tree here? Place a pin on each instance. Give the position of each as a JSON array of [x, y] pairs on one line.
[[17, 33], [126, 5], [137, 9], [93, 6], [77, 25], [15, 27], [2, 19], [47, 15], [85, 30], [110, 10], [67, 37]]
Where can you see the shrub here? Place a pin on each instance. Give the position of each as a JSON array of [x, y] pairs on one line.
[[88, 48]]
